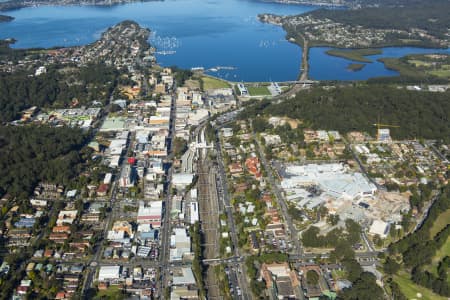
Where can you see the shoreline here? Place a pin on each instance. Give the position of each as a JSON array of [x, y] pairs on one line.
[[355, 55], [11, 6], [306, 45], [305, 3], [279, 20]]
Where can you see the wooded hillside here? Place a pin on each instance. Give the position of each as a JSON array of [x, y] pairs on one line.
[[419, 114]]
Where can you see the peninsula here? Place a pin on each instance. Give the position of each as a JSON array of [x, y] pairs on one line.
[[355, 67], [420, 25], [358, 55], [4, 18], [422, 67], [79, 74]]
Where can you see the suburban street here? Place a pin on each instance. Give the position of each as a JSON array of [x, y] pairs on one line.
[[240, 277], [294, 237]]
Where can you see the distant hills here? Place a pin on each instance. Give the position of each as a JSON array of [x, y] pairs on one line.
[[432, 16], [16, 4], [393, 23], [362, 3]]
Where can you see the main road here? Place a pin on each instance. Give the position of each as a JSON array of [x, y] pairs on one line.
[[280, 200], [165, 228], [241, 276], [95, 260]]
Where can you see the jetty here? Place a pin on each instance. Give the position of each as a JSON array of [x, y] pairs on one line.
[[166, 52]]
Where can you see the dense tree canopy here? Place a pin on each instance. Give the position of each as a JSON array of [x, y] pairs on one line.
[[312, 238], [364, 287], [432, 16], [419, 114], [418, 248], [58, 87], [32, 154]]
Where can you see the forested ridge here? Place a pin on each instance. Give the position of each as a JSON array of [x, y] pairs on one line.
[[9, 54], [58, 87], [432, 16], [394, 3], [418, 248], [30, 154], [347, 108]]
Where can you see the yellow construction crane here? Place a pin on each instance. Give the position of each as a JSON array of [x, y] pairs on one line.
[[379, 126]]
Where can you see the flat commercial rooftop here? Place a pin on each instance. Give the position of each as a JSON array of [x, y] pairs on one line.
[[333, 179]]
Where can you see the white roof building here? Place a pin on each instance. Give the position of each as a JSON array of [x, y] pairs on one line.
[[333, 179], [194, 194], [36, 202], [271, 139], [194, 212], [322, 135], [167, 79], [150, 213], [182, 179], [114, 161], [109, 273], [127, 177], [198, 116], [66, 217], [116, 146], [227, 132], [115, 235], [180, 244], [184, 277], [197, 98], [107, 179], [143, 251], [384, 135], [379, 227], [163, 111], [155, 166], [40, 70], [142, 136], [71, 193]]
